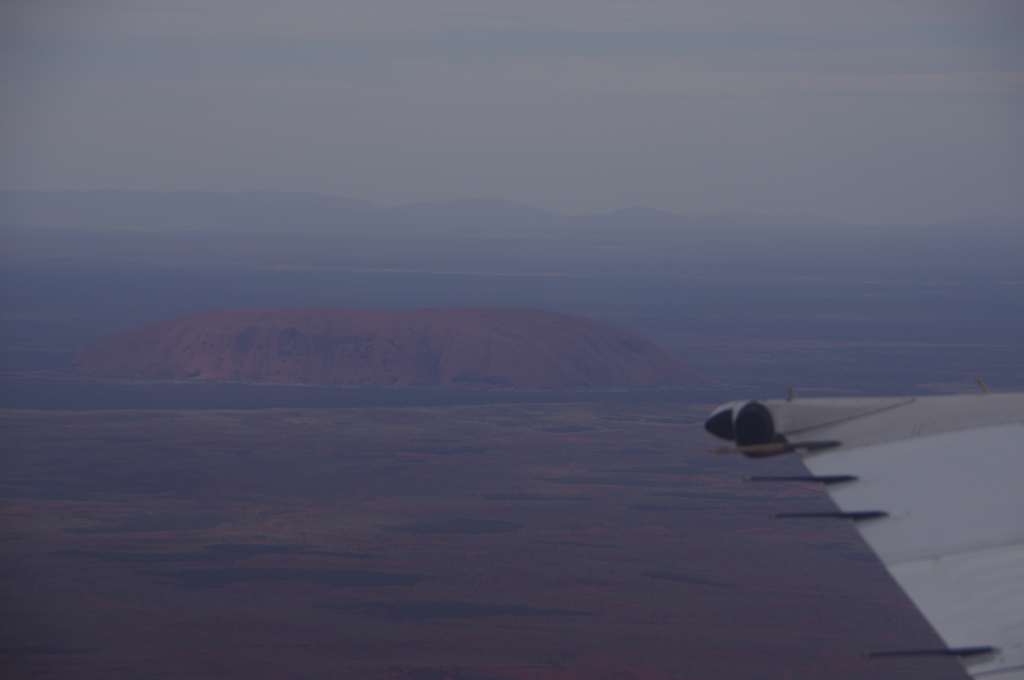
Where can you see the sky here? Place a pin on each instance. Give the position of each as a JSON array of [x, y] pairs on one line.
[[874, 111]]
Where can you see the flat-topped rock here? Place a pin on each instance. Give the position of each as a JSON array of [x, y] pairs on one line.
[[475, 347]]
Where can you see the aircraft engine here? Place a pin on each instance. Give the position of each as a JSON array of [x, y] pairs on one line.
[[748, 423]]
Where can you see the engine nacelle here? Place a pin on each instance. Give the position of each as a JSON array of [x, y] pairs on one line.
[[748, 423]]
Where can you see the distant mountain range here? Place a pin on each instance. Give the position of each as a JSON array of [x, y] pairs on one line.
[[283, 211]]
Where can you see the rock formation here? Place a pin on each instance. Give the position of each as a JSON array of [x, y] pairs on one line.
[[476, 347]]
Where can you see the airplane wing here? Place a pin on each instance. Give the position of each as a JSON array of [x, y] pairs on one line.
[[935, 485]]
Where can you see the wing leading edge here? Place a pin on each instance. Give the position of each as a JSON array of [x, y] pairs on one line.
[[934, 485]]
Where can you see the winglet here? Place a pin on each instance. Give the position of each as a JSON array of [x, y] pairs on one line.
[[982, 385], [792, 393]]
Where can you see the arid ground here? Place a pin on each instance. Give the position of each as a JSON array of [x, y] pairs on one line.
[[502, 541]]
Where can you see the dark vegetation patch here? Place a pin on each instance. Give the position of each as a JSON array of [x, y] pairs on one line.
[[668, 508], [441, 673], [155, 523], [579, 545], [672, 421], [609, 482], [173, 451], [701, 496], [213, 553], [643, 452], [44, 494], [712, 462], [47, 489], [49, 482], [34, 650], [457, 526], [832, 545], [523, 496], [658, 470], [124, 440], [341, 578], [675, 576], [454, 609], [443, 450], [564, 429]]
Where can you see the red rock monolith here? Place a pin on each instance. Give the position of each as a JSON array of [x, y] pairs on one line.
[[476, 347]]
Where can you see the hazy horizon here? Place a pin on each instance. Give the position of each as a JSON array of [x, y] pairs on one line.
[[490, 206], [900, 112]]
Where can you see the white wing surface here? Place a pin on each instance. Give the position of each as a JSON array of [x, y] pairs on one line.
[[935, 486]]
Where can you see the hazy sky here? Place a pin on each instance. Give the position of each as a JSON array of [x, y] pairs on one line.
[[864, 110]]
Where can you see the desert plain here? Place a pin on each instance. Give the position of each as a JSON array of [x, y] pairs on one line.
[[496, 541]]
